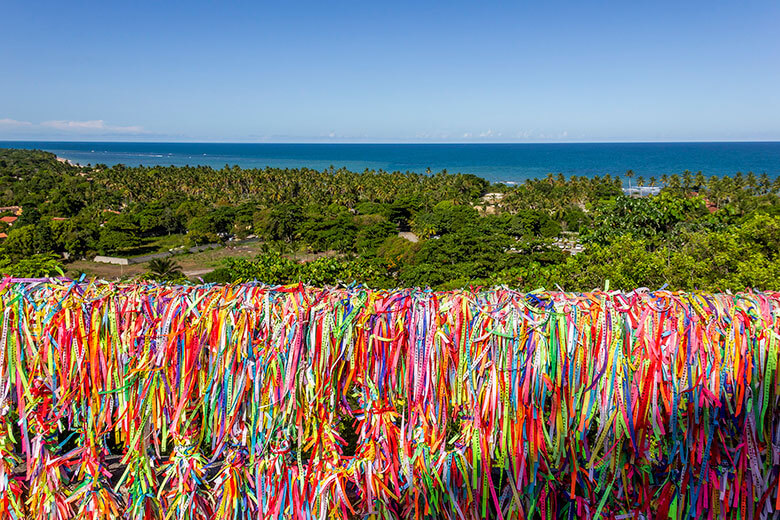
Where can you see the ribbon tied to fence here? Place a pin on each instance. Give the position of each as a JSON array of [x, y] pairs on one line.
[[244, 401]]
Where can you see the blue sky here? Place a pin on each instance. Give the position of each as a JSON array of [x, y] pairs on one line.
[[396, 71]]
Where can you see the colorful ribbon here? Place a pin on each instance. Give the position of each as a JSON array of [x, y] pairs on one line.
[[249, 401]]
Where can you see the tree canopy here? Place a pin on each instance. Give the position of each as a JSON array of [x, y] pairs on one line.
[[714, 233]]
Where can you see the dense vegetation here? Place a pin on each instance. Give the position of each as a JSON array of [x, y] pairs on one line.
[[716, 233]]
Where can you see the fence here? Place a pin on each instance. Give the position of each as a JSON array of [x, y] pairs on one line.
[[250, 401]]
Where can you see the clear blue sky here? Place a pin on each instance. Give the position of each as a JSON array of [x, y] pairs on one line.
[[390, 71]]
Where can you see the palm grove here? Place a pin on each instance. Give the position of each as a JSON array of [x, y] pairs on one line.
[[710, 233]]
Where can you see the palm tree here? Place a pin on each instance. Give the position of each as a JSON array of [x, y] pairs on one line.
[[701, 181], [764, 183], [629, 174], [687, 180], [750, 181], [164, 269]]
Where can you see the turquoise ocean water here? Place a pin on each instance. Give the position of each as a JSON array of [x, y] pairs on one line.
[[495, 162]]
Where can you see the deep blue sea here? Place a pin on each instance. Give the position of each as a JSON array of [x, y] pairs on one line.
[[495, 162]]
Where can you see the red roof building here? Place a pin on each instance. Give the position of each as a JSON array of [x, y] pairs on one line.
[[16, 210]]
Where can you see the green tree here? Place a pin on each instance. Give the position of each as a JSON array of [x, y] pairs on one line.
[[30, 216], [43, 240], [34, 266], [371, 237], [200, 230], [118, 232], [285, 220], [323, 229], [20, 242]]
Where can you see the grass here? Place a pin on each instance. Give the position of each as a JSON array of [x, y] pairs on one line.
[[192, 264], [153, 245]]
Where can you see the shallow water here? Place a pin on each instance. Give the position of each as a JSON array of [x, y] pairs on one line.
[[495, 162]]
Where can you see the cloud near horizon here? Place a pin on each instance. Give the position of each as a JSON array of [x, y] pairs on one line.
[[91, 127], [13, 122], [97, 124]]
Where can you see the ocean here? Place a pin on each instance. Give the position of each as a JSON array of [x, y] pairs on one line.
[[494, 162]]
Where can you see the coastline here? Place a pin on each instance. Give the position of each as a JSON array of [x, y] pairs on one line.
[[496, 163], [67, 161]]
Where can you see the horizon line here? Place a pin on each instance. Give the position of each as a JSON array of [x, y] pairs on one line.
[[102, 141]]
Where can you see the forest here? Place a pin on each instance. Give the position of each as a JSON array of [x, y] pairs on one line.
[[395, 229]]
